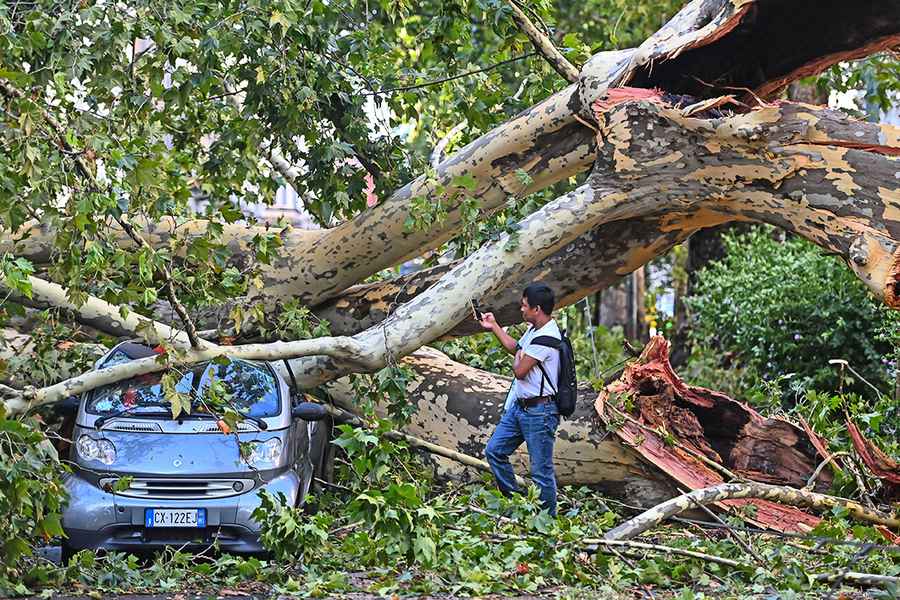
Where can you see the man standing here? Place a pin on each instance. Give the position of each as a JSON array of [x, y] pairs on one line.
[[530, 413]]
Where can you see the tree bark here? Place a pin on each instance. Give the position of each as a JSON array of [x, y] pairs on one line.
[[593, 262], [729, 491], [808, 170], [98, 314]]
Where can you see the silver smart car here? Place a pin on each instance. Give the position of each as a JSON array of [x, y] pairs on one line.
[[190, 484]]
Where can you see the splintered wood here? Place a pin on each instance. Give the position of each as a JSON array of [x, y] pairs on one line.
[[700, 437]]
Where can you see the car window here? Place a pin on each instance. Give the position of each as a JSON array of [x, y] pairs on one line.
[[138, 394], [251, 388]]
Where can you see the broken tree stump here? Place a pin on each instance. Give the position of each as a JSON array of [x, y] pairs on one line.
[[702, 438]]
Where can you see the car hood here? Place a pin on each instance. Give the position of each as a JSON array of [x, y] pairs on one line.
[[180, 455]]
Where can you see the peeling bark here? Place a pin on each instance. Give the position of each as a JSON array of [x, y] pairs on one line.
[[671, 422], [701, 438], [805, 169], [886, 469], [594, 261]]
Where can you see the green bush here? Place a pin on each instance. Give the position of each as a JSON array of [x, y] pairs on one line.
[[782, 308], [31, 498]]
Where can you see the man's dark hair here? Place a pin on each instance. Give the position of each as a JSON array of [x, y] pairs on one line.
[[540, 294]]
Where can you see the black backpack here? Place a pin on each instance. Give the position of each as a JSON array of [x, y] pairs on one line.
[[567, 382]]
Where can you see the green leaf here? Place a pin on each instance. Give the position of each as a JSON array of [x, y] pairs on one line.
[[279, 18], [16, 272], [51, 526], [466, 181], [122, 483]]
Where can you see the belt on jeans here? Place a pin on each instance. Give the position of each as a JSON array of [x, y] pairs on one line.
[[530, 402]]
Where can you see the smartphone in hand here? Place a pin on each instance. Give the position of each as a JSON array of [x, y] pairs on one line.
[[476, 310]]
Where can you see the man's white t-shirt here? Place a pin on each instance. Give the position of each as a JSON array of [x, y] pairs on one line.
[[548, 357]]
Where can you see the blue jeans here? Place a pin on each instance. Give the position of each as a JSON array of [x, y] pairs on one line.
[[536, 426]]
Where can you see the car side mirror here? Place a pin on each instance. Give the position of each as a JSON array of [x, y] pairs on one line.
[[309, 411]]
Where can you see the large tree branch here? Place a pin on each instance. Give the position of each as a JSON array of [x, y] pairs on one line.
[[100, 314], [425, 318], [594, 261], [342, 348], [727, 491], [705, 49], [809, 170], [455, 406]]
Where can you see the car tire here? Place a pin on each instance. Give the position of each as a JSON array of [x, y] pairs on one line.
[[66, 552], [310, 507], [324, 452]]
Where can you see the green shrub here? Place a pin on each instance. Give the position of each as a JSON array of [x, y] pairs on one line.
[[785, 308], [31, 498]]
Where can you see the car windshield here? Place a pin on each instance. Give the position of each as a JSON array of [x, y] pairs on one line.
[[249, 388]]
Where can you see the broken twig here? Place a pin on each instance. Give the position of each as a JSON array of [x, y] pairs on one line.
[[729, 491]]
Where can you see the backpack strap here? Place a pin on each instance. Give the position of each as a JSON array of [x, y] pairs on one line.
[[544, 376], [547, 341]]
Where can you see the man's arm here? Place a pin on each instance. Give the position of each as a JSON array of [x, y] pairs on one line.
[[490, 323], [523, 364]]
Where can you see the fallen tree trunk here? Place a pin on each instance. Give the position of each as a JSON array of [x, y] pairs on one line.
[[808, 170], [594, 261], [675, 436], [811, 171], [457, 407]]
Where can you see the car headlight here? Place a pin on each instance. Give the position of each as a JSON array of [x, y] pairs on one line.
[[91, 449], [267, 452]]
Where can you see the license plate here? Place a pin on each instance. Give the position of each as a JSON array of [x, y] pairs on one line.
[[175, 517]]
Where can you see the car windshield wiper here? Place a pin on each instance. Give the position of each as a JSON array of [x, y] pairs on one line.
[[128, 411], [255, 420]]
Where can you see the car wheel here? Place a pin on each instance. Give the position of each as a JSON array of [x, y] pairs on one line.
[[322, 453], [66, 553]]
